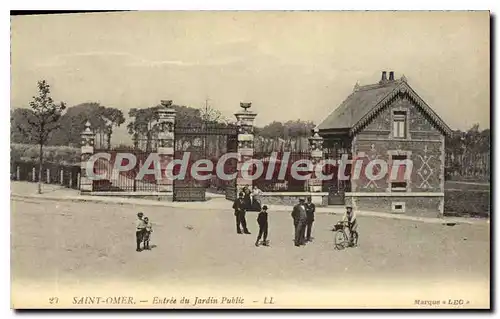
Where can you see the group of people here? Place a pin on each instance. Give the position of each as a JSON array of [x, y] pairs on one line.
[[240, 207], [302, 215], [143, 231], [303, 218], [248, 200]]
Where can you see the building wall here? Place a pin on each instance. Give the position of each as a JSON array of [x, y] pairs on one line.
[[424, 145], [415, 206]]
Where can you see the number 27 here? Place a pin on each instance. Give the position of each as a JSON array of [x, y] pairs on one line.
[[53, 300]]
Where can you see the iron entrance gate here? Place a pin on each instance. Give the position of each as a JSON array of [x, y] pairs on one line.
[[123, 181], [335, 187], [204, 142]]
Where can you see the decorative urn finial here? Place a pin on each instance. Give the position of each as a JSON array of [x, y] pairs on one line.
[[245, 105], [166, 103], [87, 126]]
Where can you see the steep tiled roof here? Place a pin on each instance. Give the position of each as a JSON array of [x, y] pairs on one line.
[[366, 101], [357, 105]]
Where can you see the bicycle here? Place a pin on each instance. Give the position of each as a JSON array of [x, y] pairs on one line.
[[341, 238]]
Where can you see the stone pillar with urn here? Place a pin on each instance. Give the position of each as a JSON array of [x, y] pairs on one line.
[[166, 122], [86, 151], [316, 149], [245, 120]]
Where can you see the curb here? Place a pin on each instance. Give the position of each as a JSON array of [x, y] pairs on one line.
[[321, 210]]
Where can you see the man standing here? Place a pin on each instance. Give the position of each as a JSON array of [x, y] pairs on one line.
[[310, 209], [299, 221], [247, 198], [352, 223], [239, 207]]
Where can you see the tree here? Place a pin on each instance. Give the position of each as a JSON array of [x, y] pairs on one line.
[[291, 135], [113, 118], [142, 125], [468, 152], [211, 115], [42, 122], [19, 118], [102, 119]]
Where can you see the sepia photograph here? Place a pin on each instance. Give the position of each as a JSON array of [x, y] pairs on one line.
[[250, 160]]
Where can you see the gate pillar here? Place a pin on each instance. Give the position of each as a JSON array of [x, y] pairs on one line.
[[86, 151], [316, 149], [245, 122], [166, 122]]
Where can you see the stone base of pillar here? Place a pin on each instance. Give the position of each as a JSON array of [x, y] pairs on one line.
[[85, 187], [317, 199], [85, 184], [166, 188]]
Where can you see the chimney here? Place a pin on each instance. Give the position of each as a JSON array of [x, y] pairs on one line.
[[391, 76], [384, 76]]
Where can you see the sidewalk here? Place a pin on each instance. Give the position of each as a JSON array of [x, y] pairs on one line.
[[25, 190]]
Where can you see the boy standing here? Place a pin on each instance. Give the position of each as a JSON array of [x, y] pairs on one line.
[[140, 228], [147, 233], [263, 226]]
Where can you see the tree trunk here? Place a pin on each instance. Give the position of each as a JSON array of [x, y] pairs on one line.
[[109, 140], [40, 169], [136, 141], [148, 142]]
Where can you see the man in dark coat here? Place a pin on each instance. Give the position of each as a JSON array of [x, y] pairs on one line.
[[240, 208], [310, 210], [299, 221], [247, 198]]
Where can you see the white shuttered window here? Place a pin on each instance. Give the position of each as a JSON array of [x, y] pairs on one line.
[[399, 124]]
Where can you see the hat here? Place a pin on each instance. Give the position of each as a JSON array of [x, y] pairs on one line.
[[140, 214], [349, 206], [264, 207], [240, 194], [301, 199]]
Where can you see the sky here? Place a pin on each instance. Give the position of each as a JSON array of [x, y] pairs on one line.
[[290, 65]]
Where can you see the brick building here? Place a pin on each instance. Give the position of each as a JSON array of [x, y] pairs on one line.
[[388, 121]]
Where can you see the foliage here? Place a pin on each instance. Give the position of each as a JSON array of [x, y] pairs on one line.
[[289, 129], [101, 118], [209, 114], [291, 135], [42, 121], [466, 152], [51, 154], [142, 125], [19, 117]]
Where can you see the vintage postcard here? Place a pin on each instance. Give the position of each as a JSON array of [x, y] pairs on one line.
[[250, 159]]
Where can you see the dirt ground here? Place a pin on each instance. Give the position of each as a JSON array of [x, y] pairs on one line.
[[70, 242]]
